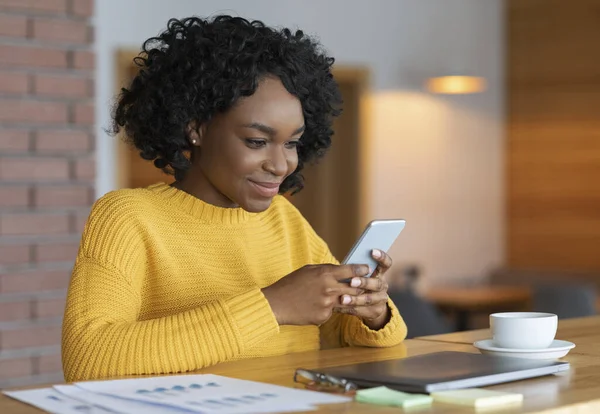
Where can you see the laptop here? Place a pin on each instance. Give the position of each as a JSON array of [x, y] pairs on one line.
[[444, 371]]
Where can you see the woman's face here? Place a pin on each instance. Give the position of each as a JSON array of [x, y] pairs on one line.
[[242, 156]]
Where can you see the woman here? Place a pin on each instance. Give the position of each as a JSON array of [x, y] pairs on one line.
[[218, 266]]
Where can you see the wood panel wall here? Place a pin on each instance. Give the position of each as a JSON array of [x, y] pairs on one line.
[[553, 157]]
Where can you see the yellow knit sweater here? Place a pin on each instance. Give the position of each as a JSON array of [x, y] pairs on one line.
[[166, 283]]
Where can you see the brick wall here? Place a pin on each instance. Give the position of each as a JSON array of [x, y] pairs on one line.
[[46, 175]]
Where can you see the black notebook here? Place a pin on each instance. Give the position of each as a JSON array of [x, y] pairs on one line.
[[444, 371]]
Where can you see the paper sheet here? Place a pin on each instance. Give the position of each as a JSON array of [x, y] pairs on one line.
[[206, 394], [115, 405], [213, 394], [52, 401]]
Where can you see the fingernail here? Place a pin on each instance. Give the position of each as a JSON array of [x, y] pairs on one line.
[[346, 300], [376, 253], [355, 282]]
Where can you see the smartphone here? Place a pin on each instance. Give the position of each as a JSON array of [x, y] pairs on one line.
[[379, 234]]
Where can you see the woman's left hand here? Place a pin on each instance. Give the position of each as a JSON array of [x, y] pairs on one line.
[[370, 301]]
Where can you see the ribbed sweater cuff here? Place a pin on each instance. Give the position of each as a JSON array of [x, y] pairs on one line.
[[391, 334], [253, 317]]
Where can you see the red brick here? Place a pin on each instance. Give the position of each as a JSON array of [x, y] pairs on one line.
[[48, 141], [13, 26], [14, 196], [49, 308], [17, 111], [83, 114], [56, 252], [13, 83], [30, 337], [14, 254], [14, 311], [85, 169], [61, 86], [14, 140], [34, 281], [83, 8], [49, 6], [48, 364], [60, 30], [15, 368], [82, 59], [62, 196], [33, 223], [34, 169], [32, 57]]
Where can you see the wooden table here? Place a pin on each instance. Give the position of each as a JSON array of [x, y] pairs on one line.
[[577, 391], [463, 301]]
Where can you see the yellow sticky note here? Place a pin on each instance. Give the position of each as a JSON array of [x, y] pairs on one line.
[[477, 397], [387, 396]]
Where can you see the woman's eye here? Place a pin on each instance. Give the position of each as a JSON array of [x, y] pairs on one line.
[[292, 144], [255, 143]]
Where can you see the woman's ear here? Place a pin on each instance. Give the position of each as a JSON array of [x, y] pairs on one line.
[[195, 133]]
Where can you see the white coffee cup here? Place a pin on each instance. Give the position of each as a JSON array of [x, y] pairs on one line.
[[523, 330]]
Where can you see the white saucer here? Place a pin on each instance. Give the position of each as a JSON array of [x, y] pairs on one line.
[[557, 349]]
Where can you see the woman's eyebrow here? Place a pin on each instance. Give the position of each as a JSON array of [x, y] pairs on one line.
[[261, 127], [270, 130]]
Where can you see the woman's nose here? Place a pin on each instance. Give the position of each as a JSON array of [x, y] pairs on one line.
[[277, 164]]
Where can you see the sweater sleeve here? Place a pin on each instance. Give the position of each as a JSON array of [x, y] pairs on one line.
[[342, 330], [104, 337]]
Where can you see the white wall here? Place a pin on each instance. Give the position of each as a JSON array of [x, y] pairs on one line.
[[437, 161]]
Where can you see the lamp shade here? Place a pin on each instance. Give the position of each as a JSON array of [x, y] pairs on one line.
[[456, 84]]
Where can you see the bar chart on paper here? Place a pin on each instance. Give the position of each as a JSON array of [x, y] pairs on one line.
[[212, 393]]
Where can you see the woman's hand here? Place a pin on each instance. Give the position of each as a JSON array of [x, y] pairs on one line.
[[308, 295], [371, 304]]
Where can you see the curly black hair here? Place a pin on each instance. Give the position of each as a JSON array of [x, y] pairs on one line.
[[199, 67]]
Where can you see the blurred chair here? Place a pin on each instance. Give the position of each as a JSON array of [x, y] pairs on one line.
[[421, 317], [565, 300]]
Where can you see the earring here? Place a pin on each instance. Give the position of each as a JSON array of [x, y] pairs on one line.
[[194, 141]]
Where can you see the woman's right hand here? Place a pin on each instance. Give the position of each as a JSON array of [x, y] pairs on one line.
[[308, 295]]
